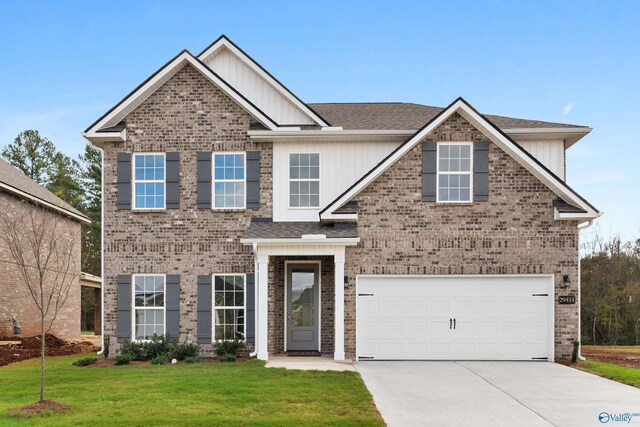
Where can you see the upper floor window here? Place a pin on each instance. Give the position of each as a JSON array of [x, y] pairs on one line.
[[454, 171], [304, 180], [148, 306], [149, 181], [229, 180]]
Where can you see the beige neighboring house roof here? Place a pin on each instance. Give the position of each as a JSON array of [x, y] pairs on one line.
[[90, 281], [401, 115], [15, 182]]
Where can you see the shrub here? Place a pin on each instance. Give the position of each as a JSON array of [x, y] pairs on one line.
[[133, 350], [193, 359], [158, 346], [160, 360], [86, 361], [123, 359], [184, 351], [227, 350], [107, 344]]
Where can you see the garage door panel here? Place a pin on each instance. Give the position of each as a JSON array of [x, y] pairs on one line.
[[497, 318]]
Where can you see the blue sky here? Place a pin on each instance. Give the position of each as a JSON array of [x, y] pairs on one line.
[[63, 64]]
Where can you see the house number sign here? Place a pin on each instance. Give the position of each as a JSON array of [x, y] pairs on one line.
[[566, 299]]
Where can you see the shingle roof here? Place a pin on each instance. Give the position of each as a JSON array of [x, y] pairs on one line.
[[295, 230], [400, 115], [15, 179], [564, 207]]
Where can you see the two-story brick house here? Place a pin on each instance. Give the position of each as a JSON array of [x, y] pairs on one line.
[[372, 230]]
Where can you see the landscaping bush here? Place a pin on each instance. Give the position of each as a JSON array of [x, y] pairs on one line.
[[158, 346], [123, 359], [227, 350], [86, 361], [193, 359], [160, 360], [105, 350], [184, 350], [133, 350]]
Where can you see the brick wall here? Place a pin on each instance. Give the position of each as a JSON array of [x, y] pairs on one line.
[[187, 114], [513, 233], [15, 298]]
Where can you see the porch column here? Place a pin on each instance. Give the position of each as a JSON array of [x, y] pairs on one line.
[[263, 307], [339, 305]]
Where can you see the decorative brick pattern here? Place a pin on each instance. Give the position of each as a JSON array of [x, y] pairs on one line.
[[187, 114], [15, 299], [512, 233]]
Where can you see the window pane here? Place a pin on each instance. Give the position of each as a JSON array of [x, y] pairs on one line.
[[465, 165], [314, 159], [294, 159], [443, 195], [465, 195], [294, 201], [465, 151]]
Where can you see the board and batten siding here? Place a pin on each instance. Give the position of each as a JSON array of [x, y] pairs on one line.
[[256, 89], [550, 152], [341, 164]]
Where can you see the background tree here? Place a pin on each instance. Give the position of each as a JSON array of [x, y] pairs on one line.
[[46, 253], [91, 182], [32, 154]]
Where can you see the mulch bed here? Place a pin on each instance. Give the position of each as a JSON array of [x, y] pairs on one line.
[[39, 407], [610, 355], [102, 362], [29, 348]]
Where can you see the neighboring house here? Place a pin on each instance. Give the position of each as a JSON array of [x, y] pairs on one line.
[[19, 194], [91, 299], [359, 230]]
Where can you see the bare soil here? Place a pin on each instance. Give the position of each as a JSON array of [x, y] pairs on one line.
[[618, 355], [29, 348]]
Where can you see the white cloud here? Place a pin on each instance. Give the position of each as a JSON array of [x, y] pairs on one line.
[[568, 108]]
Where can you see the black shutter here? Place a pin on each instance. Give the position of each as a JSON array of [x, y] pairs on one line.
[[123, 306], [204, 315], [253, 180], [250, 314], [204, 180], [172, 307], [124, 181], [429, 170], [173, 180], [480, 171]]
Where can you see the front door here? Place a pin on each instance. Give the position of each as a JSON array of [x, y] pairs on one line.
[[303, 296]]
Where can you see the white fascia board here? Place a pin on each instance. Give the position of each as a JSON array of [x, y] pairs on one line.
[[347, 241], [569, 135], [574, 216], [351, 217], [100, 137], [39, 201], [226, 43], [149, 87], [488, 130]]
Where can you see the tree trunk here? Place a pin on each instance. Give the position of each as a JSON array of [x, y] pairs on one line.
[[42, 359], [595, 319]]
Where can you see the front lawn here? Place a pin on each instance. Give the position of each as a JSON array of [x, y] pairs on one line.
[[202, 394], [621, 374]]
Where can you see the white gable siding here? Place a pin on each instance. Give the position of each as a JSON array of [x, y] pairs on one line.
[[341, 164], [256, 89], [550, 152]]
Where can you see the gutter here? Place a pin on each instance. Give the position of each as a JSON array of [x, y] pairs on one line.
[[580, 356]]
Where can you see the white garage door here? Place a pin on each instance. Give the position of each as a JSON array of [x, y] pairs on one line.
[[454, 318]]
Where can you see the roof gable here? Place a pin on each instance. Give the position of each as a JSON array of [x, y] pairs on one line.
[[491, 131], [258, 85], [113, 117]]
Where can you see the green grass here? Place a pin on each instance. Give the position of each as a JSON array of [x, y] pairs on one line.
[[201, 394], [621, 374]]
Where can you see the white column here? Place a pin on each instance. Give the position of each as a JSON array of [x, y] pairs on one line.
[[262, 338], [339, 305]]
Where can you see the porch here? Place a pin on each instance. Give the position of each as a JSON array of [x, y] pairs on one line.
[[299, 287]]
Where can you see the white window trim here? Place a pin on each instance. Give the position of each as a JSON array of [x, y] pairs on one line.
[[289, 180], [134, 181], [214, 180], [470, 173], [224, 307], [133, 305]]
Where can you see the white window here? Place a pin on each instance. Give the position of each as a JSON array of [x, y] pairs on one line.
[[148, 181], [304, 180], [229, 300], [148, 306], [229, 180], [455, 177]]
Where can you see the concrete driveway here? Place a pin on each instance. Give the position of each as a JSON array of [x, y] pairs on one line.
[[495, 394]]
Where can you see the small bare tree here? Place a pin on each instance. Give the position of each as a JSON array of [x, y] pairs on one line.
[[45, 250]]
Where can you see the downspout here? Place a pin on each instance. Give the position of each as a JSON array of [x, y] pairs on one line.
[[255, 299], [580, 228], [101, 249]]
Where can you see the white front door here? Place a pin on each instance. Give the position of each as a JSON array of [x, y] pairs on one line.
[[454, 318]]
